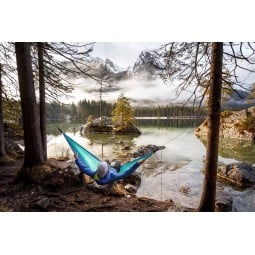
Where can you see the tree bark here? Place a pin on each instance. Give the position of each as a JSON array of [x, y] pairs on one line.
[[40, 50], [32, 136], [2, 147], [207, 202]]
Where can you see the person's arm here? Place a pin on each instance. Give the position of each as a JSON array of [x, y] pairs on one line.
[[119, 176], [83, 167]]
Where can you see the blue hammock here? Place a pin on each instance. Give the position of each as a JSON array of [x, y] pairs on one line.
[[92, 161]]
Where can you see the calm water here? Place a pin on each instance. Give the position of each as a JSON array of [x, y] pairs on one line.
[[171, 171]]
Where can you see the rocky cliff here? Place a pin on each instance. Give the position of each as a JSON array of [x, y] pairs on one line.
[[233, 124]]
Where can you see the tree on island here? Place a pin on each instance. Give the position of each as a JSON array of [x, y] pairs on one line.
[[123, 114]]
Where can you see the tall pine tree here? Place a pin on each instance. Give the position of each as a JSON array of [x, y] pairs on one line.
[[32, 135], [123, 113]]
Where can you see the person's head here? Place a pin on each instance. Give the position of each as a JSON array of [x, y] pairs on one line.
[[102, 169]]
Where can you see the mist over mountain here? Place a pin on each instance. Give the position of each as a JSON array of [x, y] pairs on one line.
[[141, 83], [238, 100], [146, 66]]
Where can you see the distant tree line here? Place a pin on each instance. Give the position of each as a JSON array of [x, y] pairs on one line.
[[83, 109], [86, 108], [173, 111], [164, 123], [79, 112]]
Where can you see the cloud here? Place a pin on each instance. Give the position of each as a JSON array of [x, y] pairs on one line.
[[140, 91]]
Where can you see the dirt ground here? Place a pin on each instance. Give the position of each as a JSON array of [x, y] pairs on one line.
[[62, 191]]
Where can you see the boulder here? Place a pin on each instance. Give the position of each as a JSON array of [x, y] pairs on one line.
[[131, 188], [12, 148], [130, 129], [223, 201], [100, 125], [240, 173], [146, 149], [43, 203], [134, 179]]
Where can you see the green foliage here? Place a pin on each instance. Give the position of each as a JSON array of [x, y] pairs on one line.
[[251, 95], [76, 112], [57, 113], [12, 116], [123, 113], [12, 110], [246, 125], [90, 118], [87, 107], [226, 114]]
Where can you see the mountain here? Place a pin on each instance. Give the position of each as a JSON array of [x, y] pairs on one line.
[[238, 100], [107, 69], [147, 65], [141, 82]]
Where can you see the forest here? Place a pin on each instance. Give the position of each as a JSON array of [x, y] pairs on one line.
[[85, 108], [79, 113]]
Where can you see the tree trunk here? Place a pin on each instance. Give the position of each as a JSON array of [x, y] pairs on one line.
[[2, 148], [207, 202], [40, 49], [32, 136]]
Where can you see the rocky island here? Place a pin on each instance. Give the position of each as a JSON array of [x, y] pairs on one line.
[[122, 120], [104, 125]]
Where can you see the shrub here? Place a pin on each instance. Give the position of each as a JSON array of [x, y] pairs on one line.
[[246, 125]]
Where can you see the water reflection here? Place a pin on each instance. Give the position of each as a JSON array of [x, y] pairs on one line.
[[175, 123], [167, 172], [52, 129], [240, 150], [121, 145]]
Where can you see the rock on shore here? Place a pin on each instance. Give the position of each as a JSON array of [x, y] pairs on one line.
[[223, 201], [240, 173], [231, 125]]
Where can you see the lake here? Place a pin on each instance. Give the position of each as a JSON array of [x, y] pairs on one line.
[[175, 172]]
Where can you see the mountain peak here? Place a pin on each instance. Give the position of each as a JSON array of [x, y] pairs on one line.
[[147, 62], [111, 66]]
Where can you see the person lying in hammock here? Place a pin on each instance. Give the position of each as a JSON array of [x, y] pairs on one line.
[[105, 173]]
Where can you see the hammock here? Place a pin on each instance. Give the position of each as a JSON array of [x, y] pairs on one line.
[[92, 161]]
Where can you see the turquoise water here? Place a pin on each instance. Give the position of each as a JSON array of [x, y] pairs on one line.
[[168, 172]]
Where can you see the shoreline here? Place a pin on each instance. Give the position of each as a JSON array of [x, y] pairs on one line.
[[64, 192]]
